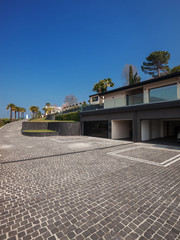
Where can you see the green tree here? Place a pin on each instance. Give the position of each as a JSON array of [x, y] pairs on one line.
[[34, 110], [38, 114], [130, 74], [175, 69], [10, 106], [44, 109], [48, 104], [99, 87], [102, 85], [84, 104], [23, 111], [157, 63], [15, 111], [47, 110], [108, 83], [133, 78], [18, 109]]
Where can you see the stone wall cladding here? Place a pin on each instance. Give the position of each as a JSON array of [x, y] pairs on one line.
[[34, 125], [63, 128], [66, 128]]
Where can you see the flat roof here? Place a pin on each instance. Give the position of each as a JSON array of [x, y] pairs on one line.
[[151, 80]]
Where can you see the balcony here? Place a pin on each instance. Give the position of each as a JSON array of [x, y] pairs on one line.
[[134, 99], [91, 107]]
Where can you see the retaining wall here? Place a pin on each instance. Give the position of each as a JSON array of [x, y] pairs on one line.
[[34, 125], [63, 128], [66, 128]]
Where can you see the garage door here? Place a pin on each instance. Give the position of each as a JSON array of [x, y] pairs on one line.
[[96, 129]]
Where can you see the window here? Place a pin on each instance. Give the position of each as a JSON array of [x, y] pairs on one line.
[[134, 99], [95, 99], [167, 93]]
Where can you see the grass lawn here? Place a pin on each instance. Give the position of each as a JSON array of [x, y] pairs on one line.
[[41, 130], [44, 120]]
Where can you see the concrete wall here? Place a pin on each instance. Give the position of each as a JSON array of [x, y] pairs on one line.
[[64, 128], [145, 130], [155, 129], [121, 129]]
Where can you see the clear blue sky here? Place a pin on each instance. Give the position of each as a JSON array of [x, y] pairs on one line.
[[53, 48]]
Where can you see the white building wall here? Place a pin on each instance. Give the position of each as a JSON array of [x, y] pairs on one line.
[[145, 130], [121, 129], [156, 129]]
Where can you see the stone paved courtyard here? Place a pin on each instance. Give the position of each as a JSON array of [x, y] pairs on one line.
[[87, 188]]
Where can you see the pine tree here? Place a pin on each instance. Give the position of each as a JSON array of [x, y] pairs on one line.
[[175, 69], [157, 62]]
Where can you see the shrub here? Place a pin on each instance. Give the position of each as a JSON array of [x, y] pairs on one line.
[[73, 116], [3, 121]]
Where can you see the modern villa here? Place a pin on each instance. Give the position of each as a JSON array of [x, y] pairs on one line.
[[140, 112]]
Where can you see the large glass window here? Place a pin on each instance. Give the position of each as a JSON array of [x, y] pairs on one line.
[[135, 99], [167, 93]]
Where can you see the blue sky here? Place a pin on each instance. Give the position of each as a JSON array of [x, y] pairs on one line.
[[53, 48]]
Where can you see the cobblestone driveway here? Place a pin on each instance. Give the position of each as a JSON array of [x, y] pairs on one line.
[[72, 188]]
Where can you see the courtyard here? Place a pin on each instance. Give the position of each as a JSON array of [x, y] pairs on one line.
[[87, 188]]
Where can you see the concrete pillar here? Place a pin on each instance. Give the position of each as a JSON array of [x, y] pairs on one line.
[[144, 130], [82, 128], [178, 88], [124, 102], [135, 136], [146, 95], [109, 129]]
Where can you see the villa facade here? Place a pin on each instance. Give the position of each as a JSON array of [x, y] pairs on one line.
[[141, 112]]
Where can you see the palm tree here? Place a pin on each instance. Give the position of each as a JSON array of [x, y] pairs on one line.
[[10, 106], [48, 104], [24, 110], [47, 110], [102, 85], [34, 109], [44, 109], [18, 109], [14, 109], [108, 83], [21, 111]]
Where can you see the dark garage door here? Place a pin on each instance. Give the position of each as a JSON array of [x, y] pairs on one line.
[[96, 129]]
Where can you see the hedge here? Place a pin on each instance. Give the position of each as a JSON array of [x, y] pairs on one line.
[[74, 116], [3, 121]]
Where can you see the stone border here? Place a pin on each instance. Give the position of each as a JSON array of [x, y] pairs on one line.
[[40, 134]]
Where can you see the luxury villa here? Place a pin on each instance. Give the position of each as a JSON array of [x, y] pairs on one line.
[[140, 112]]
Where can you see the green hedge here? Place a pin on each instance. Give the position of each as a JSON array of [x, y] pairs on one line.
[[3, 121], [73, 116]]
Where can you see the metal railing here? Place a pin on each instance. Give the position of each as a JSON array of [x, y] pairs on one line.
[[91, 107]]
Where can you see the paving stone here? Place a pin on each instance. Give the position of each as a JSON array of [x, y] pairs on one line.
[[52, 192]]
